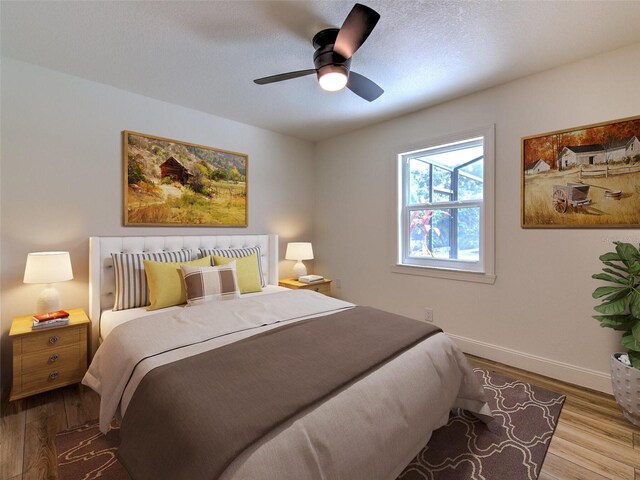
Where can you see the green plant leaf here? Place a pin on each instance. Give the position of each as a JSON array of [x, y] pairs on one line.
[[635, 359], [630, 341], [635, 331], [616, 322], [617, 318], [622, 268], [629, 254], [617, 274], [603, 291], [623, 293], [634, 304], [609, 278], [612, 308], [609, 257]]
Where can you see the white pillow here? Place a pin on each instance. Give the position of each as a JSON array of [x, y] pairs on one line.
[[131, 282]]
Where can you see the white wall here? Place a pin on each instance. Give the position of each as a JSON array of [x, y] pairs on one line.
[[61, 161], [538, 313]]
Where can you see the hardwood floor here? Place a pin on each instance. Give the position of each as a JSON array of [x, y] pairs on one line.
[[28, 428], [592, 441]]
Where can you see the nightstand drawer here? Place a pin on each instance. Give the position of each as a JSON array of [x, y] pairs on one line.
[[51, 378], [56, 357], [325, 288], [51, 339]]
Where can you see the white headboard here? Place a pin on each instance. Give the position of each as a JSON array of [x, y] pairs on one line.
[[102, 279]]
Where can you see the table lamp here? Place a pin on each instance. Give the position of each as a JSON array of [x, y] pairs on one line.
[[48, 268], [299, 251]]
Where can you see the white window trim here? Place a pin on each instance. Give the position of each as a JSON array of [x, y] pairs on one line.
[[452, 270]]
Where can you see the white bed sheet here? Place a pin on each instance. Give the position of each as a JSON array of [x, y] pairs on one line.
[[110, 319]]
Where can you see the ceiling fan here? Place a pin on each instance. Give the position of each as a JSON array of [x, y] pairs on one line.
[[332, 58]]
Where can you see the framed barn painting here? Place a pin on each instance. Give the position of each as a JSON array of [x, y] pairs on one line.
[[173, 183], [584, 177]]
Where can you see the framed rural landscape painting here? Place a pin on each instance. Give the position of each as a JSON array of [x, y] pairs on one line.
[[168, 182], [582, 177]]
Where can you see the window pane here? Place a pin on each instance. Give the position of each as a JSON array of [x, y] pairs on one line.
[[419, 228], [442, 233], [442, 196], [469, 233], [454, 156], [419, 181], [469, 188], [447, 233], [429, 233], [441, 179], [476, 168], [470, 181]]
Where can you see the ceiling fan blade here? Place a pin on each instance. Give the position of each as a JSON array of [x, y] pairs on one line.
[[284, 76], [355, 30], [363, 87]]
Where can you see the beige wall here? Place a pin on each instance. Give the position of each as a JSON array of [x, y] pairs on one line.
[[538, 313], [61, 183], [61, 162]]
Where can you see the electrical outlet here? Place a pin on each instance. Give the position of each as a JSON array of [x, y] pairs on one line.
[[337, 282], [428, 314]]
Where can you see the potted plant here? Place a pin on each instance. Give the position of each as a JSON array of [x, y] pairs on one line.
[[620, 309]]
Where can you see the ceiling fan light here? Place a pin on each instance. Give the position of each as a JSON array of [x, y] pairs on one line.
[[332, 78]]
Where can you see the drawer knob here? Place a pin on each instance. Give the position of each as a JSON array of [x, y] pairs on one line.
[[53, 375], [53, 358], [317, 289], [53, 340]]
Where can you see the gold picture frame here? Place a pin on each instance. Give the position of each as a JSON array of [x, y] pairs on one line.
[[173, 183], [582, 177]]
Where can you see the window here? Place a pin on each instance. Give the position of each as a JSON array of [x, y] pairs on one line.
[[446, 204]]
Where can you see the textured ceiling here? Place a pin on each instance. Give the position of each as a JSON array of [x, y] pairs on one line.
[[204, 55]]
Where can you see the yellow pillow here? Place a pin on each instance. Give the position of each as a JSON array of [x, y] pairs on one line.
[[246, 271], [166, 287]]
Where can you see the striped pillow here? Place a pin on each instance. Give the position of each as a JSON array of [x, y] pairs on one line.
[[236, 253], [210, 284], [131, 282]]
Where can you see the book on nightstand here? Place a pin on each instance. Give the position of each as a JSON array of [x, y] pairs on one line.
[[50, 323], [45, 317], [51, 319], [311, 278]]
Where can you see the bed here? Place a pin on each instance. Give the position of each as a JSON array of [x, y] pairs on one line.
[[369, 427]]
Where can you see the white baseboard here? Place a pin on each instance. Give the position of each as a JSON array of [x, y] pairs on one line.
[[566, 372]]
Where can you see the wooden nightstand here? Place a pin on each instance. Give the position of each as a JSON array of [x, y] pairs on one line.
[[49, 358], [323, 287]]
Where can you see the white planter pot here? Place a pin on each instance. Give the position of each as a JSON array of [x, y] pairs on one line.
[[626, 388]]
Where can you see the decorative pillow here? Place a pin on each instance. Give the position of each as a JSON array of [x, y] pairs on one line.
[[246, 271], [131, 282], [165, 282], [237, 253], [210, 284]]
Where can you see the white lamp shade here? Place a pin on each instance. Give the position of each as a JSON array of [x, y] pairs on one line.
[[48, 267], [299, 251]]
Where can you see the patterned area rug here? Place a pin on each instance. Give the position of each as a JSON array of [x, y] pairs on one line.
[[512, 446]]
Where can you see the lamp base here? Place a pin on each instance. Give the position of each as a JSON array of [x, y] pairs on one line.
[[299, 269], [48, 300]]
